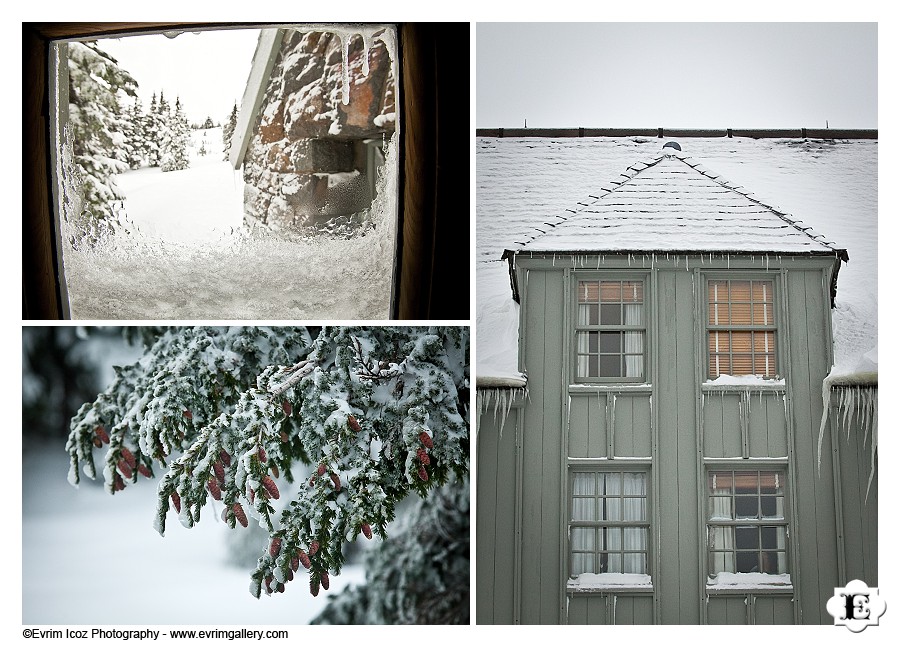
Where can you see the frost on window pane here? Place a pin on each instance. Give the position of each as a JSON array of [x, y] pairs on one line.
[[156, 223]]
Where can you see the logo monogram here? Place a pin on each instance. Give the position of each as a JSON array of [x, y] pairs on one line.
[[856, 606]]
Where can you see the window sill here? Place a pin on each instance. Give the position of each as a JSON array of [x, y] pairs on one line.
[[610, 583], [743, 583]]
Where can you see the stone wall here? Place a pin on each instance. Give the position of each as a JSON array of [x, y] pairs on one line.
[[307, 159]]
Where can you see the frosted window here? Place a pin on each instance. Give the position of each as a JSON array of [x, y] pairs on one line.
[[200, 242]]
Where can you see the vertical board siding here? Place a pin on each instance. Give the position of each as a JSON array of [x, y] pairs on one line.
[[777, 425], [587, 610], [495, 519], [632, 425], [814, 489], [541, 520], [727, 610], [773, 610], [722, 425], [587, 426], [634, 610], [860, 515]]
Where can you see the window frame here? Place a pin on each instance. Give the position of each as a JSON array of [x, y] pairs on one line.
[[759, 522], [644, 327], [775, 327], [647, 523], [432, 166]]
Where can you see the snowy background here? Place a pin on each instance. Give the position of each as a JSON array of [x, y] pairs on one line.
[[91, 558]]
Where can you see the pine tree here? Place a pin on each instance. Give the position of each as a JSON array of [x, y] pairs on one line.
[[360, 417], [134, 134], [153, 132], [228, 130], [420, 575], [95, 79], [208, 123], [174, 149]]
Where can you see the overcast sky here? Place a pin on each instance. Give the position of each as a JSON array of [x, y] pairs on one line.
[[677, 75], [208, 71]]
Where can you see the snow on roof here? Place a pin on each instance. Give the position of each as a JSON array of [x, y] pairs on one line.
[[672, 203], [829, 185]]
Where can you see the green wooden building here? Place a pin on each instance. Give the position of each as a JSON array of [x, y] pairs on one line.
[[668, 460]]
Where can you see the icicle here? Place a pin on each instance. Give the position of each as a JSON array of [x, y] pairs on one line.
[[728, 259], [686, 266], [345, 66], [367, 43], [777, 485], [767, 262], [554, 259]]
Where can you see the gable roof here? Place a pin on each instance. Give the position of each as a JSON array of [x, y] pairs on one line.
[[671, 203]]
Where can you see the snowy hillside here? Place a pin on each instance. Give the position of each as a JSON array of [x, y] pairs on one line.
[[830, 186]]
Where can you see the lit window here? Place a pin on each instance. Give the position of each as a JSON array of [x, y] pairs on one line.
[[741, 328], [609, 525], [746, 522], [610, 329]]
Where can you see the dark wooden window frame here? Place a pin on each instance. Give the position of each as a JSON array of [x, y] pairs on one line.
[[433, 248]]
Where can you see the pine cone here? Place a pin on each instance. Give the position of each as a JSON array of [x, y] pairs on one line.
[[275, 546], [286, 406], [321, 470], [101, 434], [337, 482], [270, 486], [239, 514], [187, 414], [118, 483], [367, 530], [124, 469], [251, 495], [129, 457], [176, 501], [225, 457], [304, 558], [312, 481], [145, 471], [274, 470], [313, 585], [290, 576], [213, 486], [280, 587], [262, 455], [268, 584], [97, 442], [354, 425], [423, 456], [423, 474], [313, 548], [295, 563], [426, 440], [284, 436], [220, 471], [324, 579]]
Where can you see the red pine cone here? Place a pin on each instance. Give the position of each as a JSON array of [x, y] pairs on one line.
[[239, 514], [176, 501], [426, 440], [284, 436], [337, 482], [312, 481], [286, 406], [129, 457], [367, 530], [313, 548], [262, 455], [275, 471], [251, 495], [226, 457], [123, 467], [188, 414], [423, 474], [213, 486], [295, 563], [145, 471], [313, 586], [290, 576], [280, 587], [118, 483], [270, 486], [97, 442], [354, 425], [219, 470], [324, 579], [304, 558], [101, 434], [321, 470], [275, 546], [268, 583], [423, 456]]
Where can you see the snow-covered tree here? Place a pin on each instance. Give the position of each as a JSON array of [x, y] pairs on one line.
[[134, 135], [208, 123], [419, 575], [153, 126], [95, 81], [174, 148], [357, 417], [228, 130]]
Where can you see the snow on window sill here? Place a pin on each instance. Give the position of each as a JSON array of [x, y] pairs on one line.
[[602, 582], [749, 581], [743, 380]]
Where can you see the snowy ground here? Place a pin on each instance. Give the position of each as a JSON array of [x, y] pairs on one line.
[[184, 262], [89, 558]]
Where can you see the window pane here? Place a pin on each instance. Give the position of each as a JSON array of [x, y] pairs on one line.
[[614, 563], [721, 537], [739, 291], [635, 484], [721, 563], [720, 507], [584, 483], [612, 538], [611, 291], [763, 314], [632, 291], [610, 366], [611, 314], [635, 563], [583, 539], [763, 291], [610, 342], [582, 563], [720, 482], [584, 509], [740, 313], [588, 292], [634, 314], [588, 314], [746, 537], [635, 539], [612, 509], [747, 562], [746, 507]]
